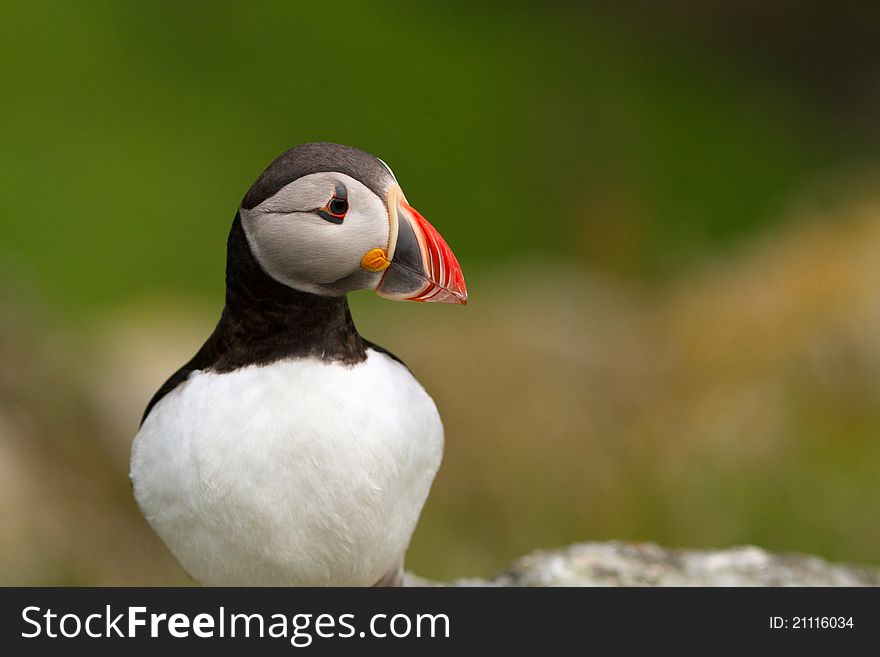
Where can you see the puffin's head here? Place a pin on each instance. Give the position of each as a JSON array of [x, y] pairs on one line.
[[328, 219]]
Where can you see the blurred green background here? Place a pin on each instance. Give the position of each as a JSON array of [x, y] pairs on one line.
[[668, 217]]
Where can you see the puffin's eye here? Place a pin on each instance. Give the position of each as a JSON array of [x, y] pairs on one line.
[[338, 206], [335, 209]]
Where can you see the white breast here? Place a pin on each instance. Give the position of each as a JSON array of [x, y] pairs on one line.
[[295, 473]]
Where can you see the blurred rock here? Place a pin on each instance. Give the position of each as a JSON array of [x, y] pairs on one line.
[[647, 564]]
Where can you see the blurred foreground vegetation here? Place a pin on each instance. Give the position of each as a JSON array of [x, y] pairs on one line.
[[669, 222]]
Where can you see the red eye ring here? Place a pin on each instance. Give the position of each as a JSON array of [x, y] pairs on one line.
[[336, 208]]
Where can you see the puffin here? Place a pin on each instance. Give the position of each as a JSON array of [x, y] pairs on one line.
[[291, 451]]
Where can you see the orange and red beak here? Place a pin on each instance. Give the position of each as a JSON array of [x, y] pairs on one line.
[[423, 267]]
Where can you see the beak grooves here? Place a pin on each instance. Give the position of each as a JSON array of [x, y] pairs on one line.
[[423, 267]]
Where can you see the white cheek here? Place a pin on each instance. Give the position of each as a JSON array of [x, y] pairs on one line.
[[303, 247], [306, 252]]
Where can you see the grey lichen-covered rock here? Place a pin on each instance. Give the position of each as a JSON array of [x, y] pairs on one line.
[[646, 564]]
